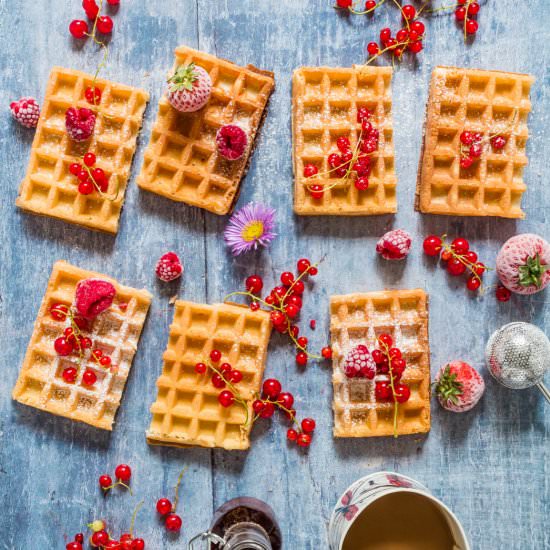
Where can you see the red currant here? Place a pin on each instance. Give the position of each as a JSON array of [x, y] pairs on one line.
[[292, 311], [466, 162], [254, 306], [370, 5], [62, 346], [292, 435], [382, 390], [326, 352], [59, 312], [286, 399], [432, 245], [215, 355], [475, 150], [85, 187], [173, 522], [137, 544], [164, 506], [343, 144], [89, 159], [304, 440], [455, 267], [385, 35], [313, 271], [75, 168], [303, 265], [363, 113], [408, 11], [460, 13], [385, 340], [302, 341], [402, 393], [470, 256], [277, 318], [503, 294], [402, 35], [271, 388], [287, 278], [479, 269], [471, 26], [460, 245], [310, 170], [100, 538], [218, 381], [473, 283], [123, 472], [200, 368], [254, 284], [235, 376], [418, 27], [113, 545], [225, 369], [377, 356], [268, 410], [415, 47], [79, 537], [69, 375], [498, 142], [93, 95], [105, 481], [316, 191], [395, 353], [467, 138], [89, 377], [301, 358], [91, 8], [105, 361], [398, 366], [113, 2], [226, 398], [362, 183], [104, 24], [372, 48], [78, 28], [73, 546], [308, 425], [473, 8], [446, 255], [334, 160], [312, 324]]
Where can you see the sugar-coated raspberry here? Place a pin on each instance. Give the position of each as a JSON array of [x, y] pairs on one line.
[[80, 123], [231, 141], [26, 111], [169, 267], [93, 296], [394, 245], [359, 363]]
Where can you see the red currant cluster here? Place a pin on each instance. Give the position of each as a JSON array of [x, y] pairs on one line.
[[123, 473], [73, 341], [101, 539], [458, 258], [285, 303], [89, 178], [349, 163], [471, 146], [465, 13], [223, 375], [103, 23], [408, 38], [165, 508], [272, 398]]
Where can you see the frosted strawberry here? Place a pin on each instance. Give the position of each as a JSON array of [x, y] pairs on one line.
[[523, 264], [189, 88], [458, 386], [26, 111], [80, 123], [359, 363], [394, 245], [169, 267]]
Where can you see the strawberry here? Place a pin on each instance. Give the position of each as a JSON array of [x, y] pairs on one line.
[[359, 363], [394, 245], [169, 267], [458, 386], [26, 111], [189, 88], [523, 264], [80, 123]]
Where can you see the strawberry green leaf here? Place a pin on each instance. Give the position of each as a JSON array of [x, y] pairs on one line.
[[531, 272]]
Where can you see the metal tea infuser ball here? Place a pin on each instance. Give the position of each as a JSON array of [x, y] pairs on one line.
[[518, 356]]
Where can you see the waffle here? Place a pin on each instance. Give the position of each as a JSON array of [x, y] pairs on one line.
[[187, 411], [49, 188], [359, 319], [115, 331], [181, 161], [324, 107], [488, 102]]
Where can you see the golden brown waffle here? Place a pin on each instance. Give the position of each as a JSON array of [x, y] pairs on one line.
[[187, 411], [49, 188], [488, 102], [324, 107], [181, 161], [359, 319], [116, 332]]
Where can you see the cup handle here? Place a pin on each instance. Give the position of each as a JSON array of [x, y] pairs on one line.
[[545, 391]]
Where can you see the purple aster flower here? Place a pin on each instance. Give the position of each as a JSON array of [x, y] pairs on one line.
[[251, 226]]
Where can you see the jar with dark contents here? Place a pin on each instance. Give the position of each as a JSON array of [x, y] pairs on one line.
[[243, 523]]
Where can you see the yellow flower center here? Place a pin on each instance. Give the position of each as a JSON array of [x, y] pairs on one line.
[[253, 231]]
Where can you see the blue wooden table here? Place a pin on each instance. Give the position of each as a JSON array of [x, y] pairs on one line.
[[490, 465]]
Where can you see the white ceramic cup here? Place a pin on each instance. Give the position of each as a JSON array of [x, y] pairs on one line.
[[366, 490]]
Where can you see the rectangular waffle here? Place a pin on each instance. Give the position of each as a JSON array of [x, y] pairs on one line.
[[116, 332], [181, 161], [489, 102], [187, 411], [49, 188], [324, 107], [359, 319]]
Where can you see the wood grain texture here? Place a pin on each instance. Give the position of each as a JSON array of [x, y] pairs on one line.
[[490, 465]]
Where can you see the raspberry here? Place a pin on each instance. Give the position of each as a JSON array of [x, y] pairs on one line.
[[80, 123], [26, 111], [394, 245], [231, 141], [359, 363], [169, 267], [92, 296]]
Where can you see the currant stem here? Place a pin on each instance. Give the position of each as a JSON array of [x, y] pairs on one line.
[[132, 523], [98, 188], [395, 402], [176, 488]]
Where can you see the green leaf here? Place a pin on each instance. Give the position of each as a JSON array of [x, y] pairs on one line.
[[532, 271]]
